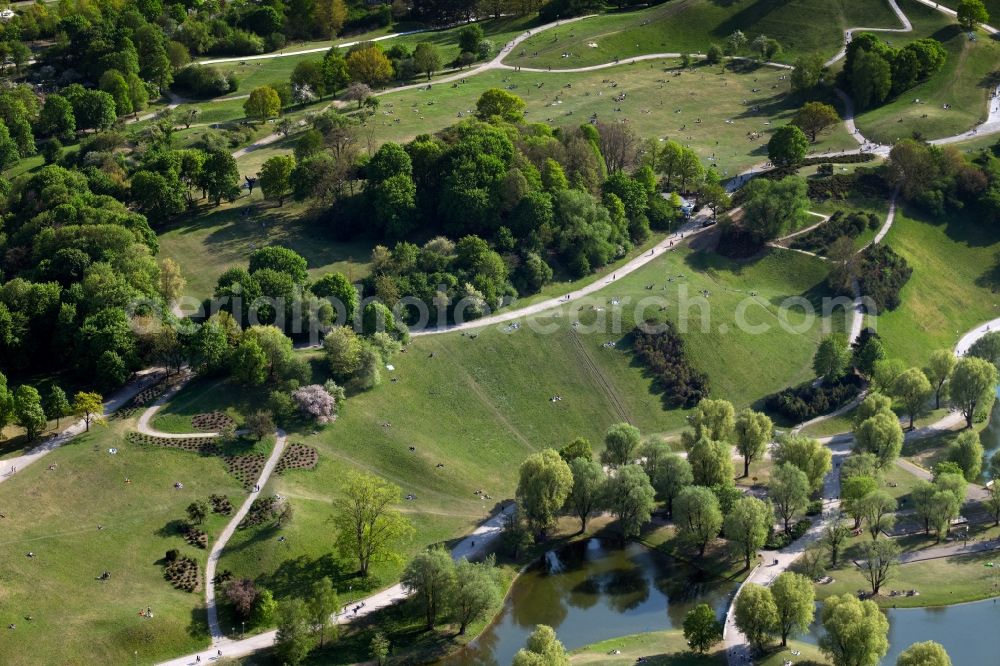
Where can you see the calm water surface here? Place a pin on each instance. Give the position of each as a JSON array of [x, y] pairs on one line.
[[591, 591]]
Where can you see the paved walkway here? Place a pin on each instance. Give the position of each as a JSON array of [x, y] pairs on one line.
[[144, 379], [213, 556], [143, 424], [474, 545], [691, 228]]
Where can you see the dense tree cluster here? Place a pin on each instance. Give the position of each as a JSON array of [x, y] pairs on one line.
[[882, 273], [523, 201], [875, 71], [662, 352], [943, 179]]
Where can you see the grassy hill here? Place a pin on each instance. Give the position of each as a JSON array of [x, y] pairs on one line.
[[678, 26], [479, 405], [964, 83], [952, 289], [55, 514]]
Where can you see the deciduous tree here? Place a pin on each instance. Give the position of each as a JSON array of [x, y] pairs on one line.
[[630, 499], [756, 614], [814, 117], [367, 522], [794, 601], [697, 516], [545, 482], [702, 629], [588, 494], [746, 526], [971, 386], [753, 432], [912, 388], [857, 632], [789, 490]]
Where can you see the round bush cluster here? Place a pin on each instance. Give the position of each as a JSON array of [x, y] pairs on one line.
[[196, 537], [204, 445], [182, 573], [212, 421], [262, 510], [220, 504], [297, 456], [246, 468]]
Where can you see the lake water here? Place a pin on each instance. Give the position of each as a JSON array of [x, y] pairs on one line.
[[591, 591], [966, 631]]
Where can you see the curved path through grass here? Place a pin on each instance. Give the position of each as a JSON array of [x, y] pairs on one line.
[[777, 562]]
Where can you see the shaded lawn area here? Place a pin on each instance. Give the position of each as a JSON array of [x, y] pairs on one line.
[[207, 244], [965, 83]]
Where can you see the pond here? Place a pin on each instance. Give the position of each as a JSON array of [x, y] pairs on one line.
[[965, 631], [593, 590]]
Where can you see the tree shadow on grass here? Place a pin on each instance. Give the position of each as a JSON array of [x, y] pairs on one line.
[[295, 575]]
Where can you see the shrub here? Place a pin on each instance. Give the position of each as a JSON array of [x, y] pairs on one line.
[[662, 352], [805, 401], [203, 81], [883, 273]]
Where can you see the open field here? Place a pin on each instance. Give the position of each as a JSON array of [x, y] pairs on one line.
[[940, 582], [55, 514], [965, 83], [459, 403], [662, 101], [679, 26], [657, 647], [951, 290]]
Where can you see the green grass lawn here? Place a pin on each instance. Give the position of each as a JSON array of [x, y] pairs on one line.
[[951, 289], [654, 94], [207, 244], [679, 26], [940, 582], [657, 647], [964, 82], [55, 514], [479, 405]]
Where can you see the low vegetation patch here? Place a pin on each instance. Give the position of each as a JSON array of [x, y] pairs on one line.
[[297, 456], [840, 225], [806, 401], [883, 273], [246, 468], [212, 421], [220, 504], [182, 572], [662, 352], [262, 510]]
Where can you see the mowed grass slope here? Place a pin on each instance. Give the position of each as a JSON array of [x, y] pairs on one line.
[[265, 71], [76, 618], [964, 83], [704, 108], [479, 403], [955, 275], [691, 26]]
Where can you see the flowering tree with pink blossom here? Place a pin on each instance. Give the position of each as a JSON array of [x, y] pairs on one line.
[[316, 403]]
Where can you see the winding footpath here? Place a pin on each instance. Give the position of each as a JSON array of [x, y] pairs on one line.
[[476, 544]]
